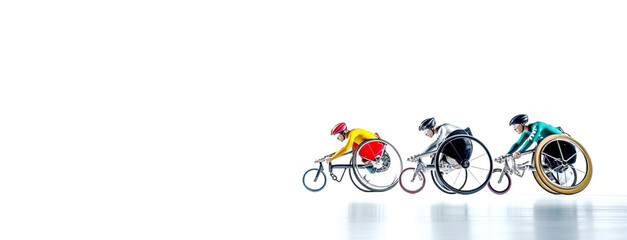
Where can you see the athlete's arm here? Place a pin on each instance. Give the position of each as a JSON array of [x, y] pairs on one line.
[[431, 147], [434, 145], [349, 143], [516, 145]]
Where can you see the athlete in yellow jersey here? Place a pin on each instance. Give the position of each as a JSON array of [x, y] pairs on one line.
[[355, 137]]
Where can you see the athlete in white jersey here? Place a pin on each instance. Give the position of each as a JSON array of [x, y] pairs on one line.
[[429, 128], [459, 150]]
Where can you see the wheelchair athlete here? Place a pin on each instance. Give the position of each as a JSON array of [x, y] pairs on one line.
[[355, 137], [534, 133], [459, 150]]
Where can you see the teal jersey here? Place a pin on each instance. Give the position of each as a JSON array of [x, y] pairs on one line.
[[539, 131]]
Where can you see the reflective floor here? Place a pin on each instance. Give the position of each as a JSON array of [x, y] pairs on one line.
[[545, 219], [459, 217]]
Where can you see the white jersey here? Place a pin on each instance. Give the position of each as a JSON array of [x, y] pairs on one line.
[[444, 130]]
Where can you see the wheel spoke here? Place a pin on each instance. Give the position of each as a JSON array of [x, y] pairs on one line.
[[450, 177], [580, 170], [560, 148], [546, 155], [574, 154], [456, 152], [479, 168], [460, 172], [478, 157], [474, 177]]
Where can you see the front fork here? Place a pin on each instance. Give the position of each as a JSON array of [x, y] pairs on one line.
[[421, 167], [320, 169], [506, 170]]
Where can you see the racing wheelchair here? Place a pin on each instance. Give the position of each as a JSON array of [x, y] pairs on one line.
[[374, 167], [560, 166], [461, 164]]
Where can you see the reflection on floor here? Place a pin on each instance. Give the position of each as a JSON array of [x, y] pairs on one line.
[[367, 219], [543, 218]]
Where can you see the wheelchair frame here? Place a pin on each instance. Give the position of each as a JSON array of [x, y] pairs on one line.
[[421, 168], [353, 165], [512, 168]]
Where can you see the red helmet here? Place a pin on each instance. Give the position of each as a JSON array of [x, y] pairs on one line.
[[340, 127]]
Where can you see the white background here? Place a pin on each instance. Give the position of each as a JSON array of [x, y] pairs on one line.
[[195, 119]]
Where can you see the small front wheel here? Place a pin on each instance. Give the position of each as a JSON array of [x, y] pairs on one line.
[[314, 180], [502, 187], [412, 181]]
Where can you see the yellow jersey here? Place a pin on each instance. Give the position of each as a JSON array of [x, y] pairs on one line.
[[355, 137]]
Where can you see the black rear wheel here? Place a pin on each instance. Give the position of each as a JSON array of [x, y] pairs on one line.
[[463, 155]]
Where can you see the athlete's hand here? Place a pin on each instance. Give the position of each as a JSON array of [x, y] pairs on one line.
[[327, 159], [516, 155]]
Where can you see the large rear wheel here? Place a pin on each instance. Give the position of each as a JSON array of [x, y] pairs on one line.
[[463, 164], [382, 172], [542, 185], [562, 164]]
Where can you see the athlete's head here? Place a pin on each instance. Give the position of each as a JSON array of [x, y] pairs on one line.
[[341, 131], [427, 126], [518, 122]]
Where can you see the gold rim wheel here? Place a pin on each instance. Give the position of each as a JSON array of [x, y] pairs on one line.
[[541, 183], [548, 183]]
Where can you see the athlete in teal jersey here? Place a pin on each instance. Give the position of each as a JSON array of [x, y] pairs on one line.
[[533, 133], [529, 133]]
